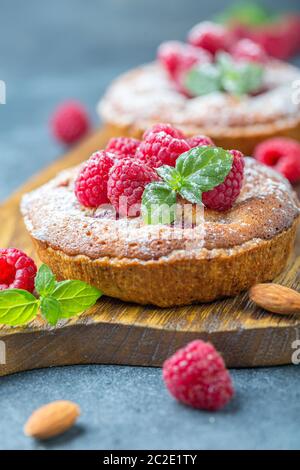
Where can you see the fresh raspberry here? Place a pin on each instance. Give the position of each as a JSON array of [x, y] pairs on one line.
[[161, 149], [126, 184], [17, 270], [222, 197], [280, 39], [123, 147], [197, 376], [70, 122], [91, 183], [281, 153], [199, 141], [248, 50], [177, 57], [210, 36], [163, 127]]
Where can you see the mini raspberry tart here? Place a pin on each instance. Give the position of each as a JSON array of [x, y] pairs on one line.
[[189, 86], [231, 221]]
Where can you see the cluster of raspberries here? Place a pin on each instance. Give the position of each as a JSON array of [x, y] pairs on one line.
[[204, 41], [119, 174]]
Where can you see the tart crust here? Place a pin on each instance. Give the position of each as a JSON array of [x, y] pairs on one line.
[[160, 265], [143, 96], [177, 281]]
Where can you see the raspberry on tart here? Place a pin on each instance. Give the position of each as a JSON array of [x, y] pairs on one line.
[[210, 36], [164, 127], [199, 140], [222, 197], [197, 376], [177, 56], [91, 183], [123, 147], [160, 148], [126, 184], [245, 49]]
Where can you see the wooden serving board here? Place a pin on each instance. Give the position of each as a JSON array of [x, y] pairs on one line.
[[114, 332]]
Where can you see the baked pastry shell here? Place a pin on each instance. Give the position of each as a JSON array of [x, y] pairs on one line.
[[173, 282]]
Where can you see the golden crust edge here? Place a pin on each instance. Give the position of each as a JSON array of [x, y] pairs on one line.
[[244, 139], [174, 282]]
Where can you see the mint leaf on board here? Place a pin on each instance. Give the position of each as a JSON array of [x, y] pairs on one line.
[[204, 167], [75, 297], [51, 310], [17, 307], [45, 280], [202, 80], [158, 204]]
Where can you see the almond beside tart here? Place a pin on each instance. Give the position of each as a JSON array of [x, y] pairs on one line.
[[52, 419], [276, 298]]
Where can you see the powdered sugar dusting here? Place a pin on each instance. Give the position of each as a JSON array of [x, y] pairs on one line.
[[146, 94], [266, 207]]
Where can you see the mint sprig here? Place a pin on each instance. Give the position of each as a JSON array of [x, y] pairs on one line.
[[236, 78], [196, 171], [57, 300], [246, 13], [17, 307]]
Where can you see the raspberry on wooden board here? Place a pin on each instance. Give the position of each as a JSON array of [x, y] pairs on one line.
[[17, 270]]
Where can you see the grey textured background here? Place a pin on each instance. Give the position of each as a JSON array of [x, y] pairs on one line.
[[50, 51]]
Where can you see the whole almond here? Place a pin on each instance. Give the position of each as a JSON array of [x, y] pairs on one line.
[[276, 298], [52, 419]]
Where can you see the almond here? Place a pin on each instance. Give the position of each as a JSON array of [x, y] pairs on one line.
[[276, 298], [52, 419]]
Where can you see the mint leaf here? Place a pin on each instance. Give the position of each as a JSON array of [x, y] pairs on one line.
[[170, 175], [75, 297], [158, 204], [51, 310], [17, 307], [239, 78], [45, 280], [203, 80], [205, 167], [191, 192], [235, 77]]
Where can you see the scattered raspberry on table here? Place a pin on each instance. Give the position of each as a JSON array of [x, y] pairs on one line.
[[282, 154], [17, 270], [70, 122], [197, 376]]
